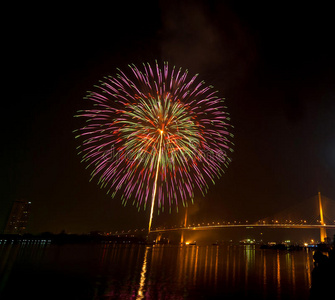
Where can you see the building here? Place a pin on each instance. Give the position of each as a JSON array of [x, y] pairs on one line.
[[18, 218]]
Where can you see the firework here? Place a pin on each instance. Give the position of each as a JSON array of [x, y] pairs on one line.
[[155, 135]]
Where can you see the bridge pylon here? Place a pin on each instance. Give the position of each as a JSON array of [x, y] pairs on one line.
[[185, 225], [323, 232]]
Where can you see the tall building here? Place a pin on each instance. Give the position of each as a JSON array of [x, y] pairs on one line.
[[18, 218]]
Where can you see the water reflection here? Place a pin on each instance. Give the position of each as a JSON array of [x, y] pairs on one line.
[[140, 294], [156, 272], [226, 270]]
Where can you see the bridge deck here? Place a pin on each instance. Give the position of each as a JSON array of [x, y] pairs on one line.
[[210, 227]]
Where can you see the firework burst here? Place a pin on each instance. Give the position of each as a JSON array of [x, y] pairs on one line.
[[155, 135]]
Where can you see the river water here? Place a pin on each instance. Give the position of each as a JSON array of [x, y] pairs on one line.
[[115, 271]]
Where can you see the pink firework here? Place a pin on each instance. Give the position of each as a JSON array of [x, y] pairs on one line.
[[157, 134]]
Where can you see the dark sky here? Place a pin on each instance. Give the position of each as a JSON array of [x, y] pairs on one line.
[[273, 63]]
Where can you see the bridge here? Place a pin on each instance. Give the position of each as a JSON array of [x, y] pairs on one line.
[[211, 227], [320, 221]]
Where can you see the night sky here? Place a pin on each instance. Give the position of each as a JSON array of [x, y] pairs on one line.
[[273, 63]]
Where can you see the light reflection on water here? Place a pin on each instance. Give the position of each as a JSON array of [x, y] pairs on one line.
[[140, 294], [153, 272]]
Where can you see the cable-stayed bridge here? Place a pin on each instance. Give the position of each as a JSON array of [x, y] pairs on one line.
[[316, 212]]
